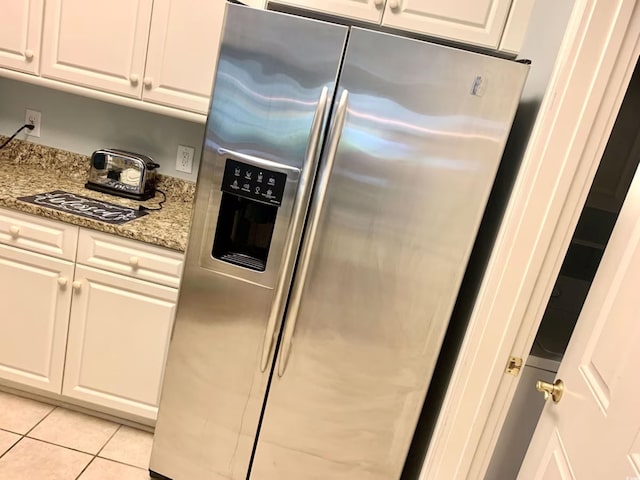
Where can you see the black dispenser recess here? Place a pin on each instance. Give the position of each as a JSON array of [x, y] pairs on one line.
[[250, 199]]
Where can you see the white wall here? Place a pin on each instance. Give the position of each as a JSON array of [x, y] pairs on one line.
[[82, 125]]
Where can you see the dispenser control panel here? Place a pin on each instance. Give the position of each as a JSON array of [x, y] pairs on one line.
[[253, 182]]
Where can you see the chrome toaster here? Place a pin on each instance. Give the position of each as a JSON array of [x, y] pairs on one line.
[[122, 173]]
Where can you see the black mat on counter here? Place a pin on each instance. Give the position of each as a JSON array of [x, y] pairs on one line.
[[84, 207]]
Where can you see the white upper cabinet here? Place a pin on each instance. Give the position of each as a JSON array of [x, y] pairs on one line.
[[478, 22], [97, 44], [20, 29], [183, 47], [367, 10]]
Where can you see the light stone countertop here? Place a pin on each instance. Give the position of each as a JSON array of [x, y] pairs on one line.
[[28, 169]]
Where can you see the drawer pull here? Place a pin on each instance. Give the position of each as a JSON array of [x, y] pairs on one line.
[[28, 54], [134, 262], [14, 231], [62, 281], [77, 285]]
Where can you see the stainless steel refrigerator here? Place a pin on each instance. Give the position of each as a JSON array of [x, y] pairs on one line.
[[343, 178]]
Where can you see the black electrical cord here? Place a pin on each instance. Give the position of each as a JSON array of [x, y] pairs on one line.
[[26, 125], [142, 208]]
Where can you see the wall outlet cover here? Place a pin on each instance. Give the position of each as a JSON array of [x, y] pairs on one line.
[[184, 159], [33, 117]]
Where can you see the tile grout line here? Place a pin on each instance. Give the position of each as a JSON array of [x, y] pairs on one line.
[[99, 450], [39, 422], [122, 463], [23, 435], [11, 447], [93, 456], [85, 467], [58, 445], [108, 440]]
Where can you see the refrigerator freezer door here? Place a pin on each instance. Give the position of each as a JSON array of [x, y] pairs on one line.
[[273, 73], [424, 132]]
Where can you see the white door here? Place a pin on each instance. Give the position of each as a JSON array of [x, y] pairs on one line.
[[367, 10], [183, 48], [594, 431], [97, 44], [35, 293], [478, 22], [20, 35], [119, 334]]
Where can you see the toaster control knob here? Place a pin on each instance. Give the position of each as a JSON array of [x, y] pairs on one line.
[[14, 231], [134, 262], [134, 79], [28, 54], [148, 82]]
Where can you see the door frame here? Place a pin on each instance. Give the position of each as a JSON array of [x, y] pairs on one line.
[[593, 68]]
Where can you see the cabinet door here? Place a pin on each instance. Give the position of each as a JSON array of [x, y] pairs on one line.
[[97, 44], [367, 10], [183, 48], [478, 22], [20, 35], [36, 294], [119, 333]]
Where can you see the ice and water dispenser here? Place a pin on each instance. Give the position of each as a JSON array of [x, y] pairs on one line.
[[251, 196]]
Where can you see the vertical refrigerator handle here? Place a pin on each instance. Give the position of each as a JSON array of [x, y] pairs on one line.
[[300, 204], [309, 239]]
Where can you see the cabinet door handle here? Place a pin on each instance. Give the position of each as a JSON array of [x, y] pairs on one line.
[[134, 262], [395, 4], [14, 231], [378, 3], [28, 54], [134, 79], [77, 285], [148, 82], [62, 281]]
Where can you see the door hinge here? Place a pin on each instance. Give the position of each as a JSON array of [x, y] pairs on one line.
[[513, 366]]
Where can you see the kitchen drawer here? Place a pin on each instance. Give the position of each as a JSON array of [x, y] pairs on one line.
[[129, 257], [38, 234]]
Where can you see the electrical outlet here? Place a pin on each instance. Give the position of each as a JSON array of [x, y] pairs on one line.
[[33, 117], [184, 160]]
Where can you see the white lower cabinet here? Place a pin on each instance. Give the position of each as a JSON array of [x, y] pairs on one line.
[[106, 301], [119, 333], [36, 296]]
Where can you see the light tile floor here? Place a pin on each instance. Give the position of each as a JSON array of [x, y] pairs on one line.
[[43, 442]]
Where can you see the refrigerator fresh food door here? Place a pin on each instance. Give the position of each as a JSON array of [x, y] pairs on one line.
[[274, 83], [408, 166]]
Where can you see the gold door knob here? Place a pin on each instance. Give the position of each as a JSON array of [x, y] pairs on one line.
[[553, 390]]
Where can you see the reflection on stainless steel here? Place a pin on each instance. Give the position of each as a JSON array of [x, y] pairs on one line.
[[214, 387], [312, 229], [388, 234], [300, 207], [397, 225]]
